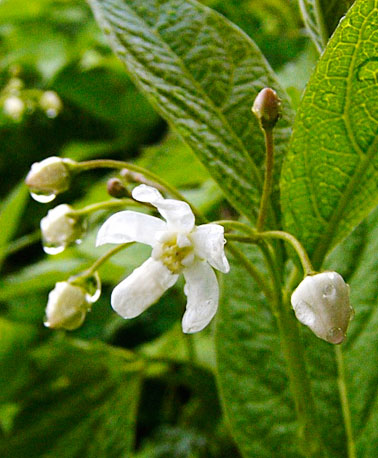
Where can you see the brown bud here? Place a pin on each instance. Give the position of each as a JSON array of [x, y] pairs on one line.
[[267, 108], [116, 189]]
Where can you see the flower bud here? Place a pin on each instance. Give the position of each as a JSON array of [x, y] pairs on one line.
[[321, 302], [14, 107], [50, 177], [50, 103], [116, 189], [67, 306], [60, 228], [267, 108]]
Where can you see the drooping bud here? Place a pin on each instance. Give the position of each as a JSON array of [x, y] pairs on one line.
[[67, 306], [50, 177], [116, 189], [267, 108], [60, 228], [14, 107], [321, 302], [50, 103]]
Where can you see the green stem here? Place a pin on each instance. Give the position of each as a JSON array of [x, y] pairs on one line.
[[268, 179], [344, 401], [95, 266], [112, 164], [105, 205], [285, 236]]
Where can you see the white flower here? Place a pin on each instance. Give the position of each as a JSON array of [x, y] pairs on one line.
[[60, 228], [14, 107], [321, 302], [66, 307], [178, 246], [51, 103]]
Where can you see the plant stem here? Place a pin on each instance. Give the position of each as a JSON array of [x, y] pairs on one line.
[[268, 179], [94, 267], [112, 164], [292, 347], [256, 236], [105, 205], [344, 401]]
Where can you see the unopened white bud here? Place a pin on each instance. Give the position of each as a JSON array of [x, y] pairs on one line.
[[14, 107], [67, 306], [321, 302], [60, 228], [50, 176], [51, 103]]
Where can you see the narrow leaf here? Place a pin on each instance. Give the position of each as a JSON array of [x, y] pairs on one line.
[[330, 178], [202, 74], [314, 22], [10, 214]]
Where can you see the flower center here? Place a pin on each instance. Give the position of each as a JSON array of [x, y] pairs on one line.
[[174, 256]]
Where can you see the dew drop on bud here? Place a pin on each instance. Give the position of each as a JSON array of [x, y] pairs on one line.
[[43, 198], [93, 287], [48, 249], [329, 290], [352, 313], [335, 336], [304, 313]]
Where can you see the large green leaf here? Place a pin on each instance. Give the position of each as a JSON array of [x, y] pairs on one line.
[[251, 370], [252, 375], [202, 74], [329, 180], [321, 18], [82, 401]]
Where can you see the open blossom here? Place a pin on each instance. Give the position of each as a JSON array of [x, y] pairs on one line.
[[178, 246], [321, 302]]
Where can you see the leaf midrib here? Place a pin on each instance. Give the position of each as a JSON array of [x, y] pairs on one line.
[[197, 86], [325, 241]]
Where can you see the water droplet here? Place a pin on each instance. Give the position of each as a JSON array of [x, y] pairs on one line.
[[352, 313], [43, 198], [51, 113], [368, 70], [335, 336], [93, 286], [49, 249], [329, 290], [304, 313]]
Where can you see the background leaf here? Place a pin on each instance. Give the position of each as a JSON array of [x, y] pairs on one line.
[[202, 74], [329, 179], [89, 393], [10, 213]]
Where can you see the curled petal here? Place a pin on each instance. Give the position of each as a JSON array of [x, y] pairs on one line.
[[129, 226], [142, 288], [208, 241], [178, 214], [203, 295]]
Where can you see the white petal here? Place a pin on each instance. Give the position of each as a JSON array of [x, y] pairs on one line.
[[178, 214], [203, 294], [142, 288], [208, 241], [129, 226]]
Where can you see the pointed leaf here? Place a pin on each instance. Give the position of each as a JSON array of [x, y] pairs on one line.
[[202, 74], [330, 176]]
